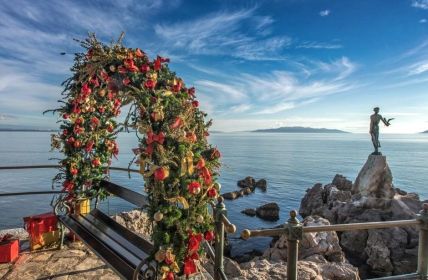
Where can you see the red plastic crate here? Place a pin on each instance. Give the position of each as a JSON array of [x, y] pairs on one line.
[[9, 251]]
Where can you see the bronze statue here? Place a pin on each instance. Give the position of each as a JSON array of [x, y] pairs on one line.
[[374, 129]]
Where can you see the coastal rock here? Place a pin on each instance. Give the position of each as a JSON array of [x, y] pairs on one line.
[[262, 269], [261, 184], [342, 183], [379, 252], [249, 212], [324, 245], [268, 212], [232, 195], [136, 221], [247, 182], [247, 191], [231, 268], [374, 181]]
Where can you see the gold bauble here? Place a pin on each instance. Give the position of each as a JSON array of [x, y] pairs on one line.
[[158, 216], [160, 255], [200, 219]]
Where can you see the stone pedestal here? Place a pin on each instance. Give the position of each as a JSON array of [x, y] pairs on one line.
[[374, 182]]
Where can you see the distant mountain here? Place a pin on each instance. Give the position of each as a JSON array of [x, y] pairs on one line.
[[426, 131], [299, 129]]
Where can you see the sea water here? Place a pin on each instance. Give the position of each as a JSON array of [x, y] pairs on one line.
[[290, 162]]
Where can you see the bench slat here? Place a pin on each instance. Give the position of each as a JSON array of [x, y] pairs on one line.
[[118, 264], [124, 193], [131, 237], [120, 239], [116, 247]]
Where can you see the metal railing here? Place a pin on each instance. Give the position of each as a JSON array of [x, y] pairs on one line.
[[222, 223], [294, 230]]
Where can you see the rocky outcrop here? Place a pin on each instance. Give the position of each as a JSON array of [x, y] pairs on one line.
[[136, 221], [262, 269], [247, 182], [318, 245], [261, 184], [376, 252], [249, 212], [342, 183], [268, 212], [374, 182]]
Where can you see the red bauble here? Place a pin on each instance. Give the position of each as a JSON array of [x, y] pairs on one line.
[[194, 187], [145, 68], [85, 90], [96, 162], [212, 192], [68, 186], [200, 164], [77, 144], [195, 103], [161, 174], [126, 81], [191, 137], [209, 235], [73, 171], [189, 267], [150, 84], [170, 276]]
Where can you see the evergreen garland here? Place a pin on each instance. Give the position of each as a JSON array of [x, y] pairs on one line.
[[178, 164]]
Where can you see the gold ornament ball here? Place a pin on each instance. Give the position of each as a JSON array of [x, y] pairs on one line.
[[200, 219], [158, 216]]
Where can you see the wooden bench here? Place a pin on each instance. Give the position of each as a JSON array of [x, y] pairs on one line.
[[122, 250]]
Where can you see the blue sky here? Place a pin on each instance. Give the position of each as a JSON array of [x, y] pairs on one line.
[[255, 64]]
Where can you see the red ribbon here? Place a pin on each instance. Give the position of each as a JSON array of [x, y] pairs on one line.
[[152, 138]]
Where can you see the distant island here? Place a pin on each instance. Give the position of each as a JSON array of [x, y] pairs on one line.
[[426, 131], [300, 129]]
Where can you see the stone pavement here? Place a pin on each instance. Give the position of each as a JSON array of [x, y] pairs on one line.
[[73, 262]]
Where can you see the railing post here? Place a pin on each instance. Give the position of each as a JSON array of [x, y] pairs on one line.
[[294, 231], [422, 217], [219, 210]]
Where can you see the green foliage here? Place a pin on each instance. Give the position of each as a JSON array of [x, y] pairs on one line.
[[178, 164]]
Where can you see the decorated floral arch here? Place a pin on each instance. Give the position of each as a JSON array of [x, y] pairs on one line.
[[178, 164]]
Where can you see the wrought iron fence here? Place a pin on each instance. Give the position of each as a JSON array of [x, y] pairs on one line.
[[294, 230]]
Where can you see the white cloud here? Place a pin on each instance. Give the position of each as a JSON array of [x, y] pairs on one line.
[[343, 67], [277, 91], [423, 20], [241, 108], [229, 92], [418, 68], [221, 34], [421, 4], [318, 45], [281, 107], [325, 13]]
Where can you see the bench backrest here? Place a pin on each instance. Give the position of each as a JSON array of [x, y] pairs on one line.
[[126, 194]]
